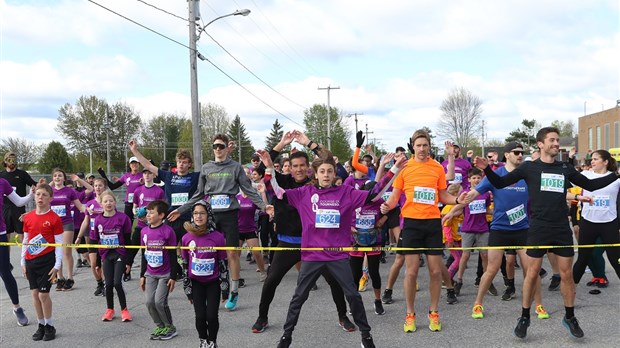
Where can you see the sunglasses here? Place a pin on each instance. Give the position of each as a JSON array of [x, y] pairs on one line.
[[219, 146], [490, 156], [517, 153], [10, 160]]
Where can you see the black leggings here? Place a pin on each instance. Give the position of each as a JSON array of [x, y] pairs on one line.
[[113, 268], [206, 298], [267, 232], [588, 232], [282, 262], [5, 271], [357, 263]]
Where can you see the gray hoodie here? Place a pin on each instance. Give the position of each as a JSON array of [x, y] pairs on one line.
[[221, 181]]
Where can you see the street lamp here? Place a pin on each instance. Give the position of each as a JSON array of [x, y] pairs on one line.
[[193, 54]]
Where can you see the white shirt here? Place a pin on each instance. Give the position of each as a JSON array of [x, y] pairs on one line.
[[603, 208]]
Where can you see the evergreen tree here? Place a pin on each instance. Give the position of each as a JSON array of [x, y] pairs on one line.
[[315, 121], [55, 156], [274, 137], [237, 133]]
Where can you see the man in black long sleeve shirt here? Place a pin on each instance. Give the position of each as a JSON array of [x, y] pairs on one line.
[[548, 181]]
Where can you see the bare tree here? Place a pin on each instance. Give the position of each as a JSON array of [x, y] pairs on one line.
[[28, 153], [460, 117]]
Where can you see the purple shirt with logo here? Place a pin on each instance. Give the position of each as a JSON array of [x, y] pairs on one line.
[[61, 203], [461, 169], [157, 258], [132, 181], [97, 210], [326, 216], [143, 195], [475, 214], [111, 230], [247, 214], [203, 265], [355, 183], [78, 216]]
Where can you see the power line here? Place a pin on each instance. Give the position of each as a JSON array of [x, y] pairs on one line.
[[201, 57], [162, 10]]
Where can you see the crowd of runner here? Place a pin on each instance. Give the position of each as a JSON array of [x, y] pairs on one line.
[[307, 199]]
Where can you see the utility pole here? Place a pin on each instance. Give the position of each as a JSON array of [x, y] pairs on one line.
[[107, 138], [367, 132], [164, 137], [355, 115], [193, 53], [239, 141], [329, 111], [482, 139]]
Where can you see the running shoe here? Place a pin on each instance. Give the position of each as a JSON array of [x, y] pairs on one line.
[[60, 284], [168, 333], [379, 308], [68, 286], [573, 327], [593, 282], [108, 315], [542, 273], [457, 287], [248, 257], [409, 323], [38, 335], [492, 290], [231, 303], [346, 324], [50, 333], [212, 344], [80, 264], [382, 257], [99, 290], [367, 342], [204, 343], [477, 312], [387, 296], [602, 283], [285, 342], [542, 312], [477, 282], [522, 324], [241, 282], [363, 283], [157, 332], [555, 283], [451, 297], [260, 325], [434, 323], [509, 294], [125, 315], [127, 276], [22, 319], [262, 276]]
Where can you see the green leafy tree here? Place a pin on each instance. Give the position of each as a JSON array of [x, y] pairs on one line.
[[213, 120], [525, 134], [567, 128], [27, 152], [55, 156], [461, 117], [237, 133], [159, 136], [315, 121], [274, 137]]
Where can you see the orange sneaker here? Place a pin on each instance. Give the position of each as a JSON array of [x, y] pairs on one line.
[[125, 315], [108, 315]]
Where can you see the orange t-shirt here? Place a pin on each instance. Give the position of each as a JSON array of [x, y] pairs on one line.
[[421, 183]]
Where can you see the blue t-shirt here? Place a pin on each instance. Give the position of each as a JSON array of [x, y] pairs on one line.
[[510, 205], [179, 189]]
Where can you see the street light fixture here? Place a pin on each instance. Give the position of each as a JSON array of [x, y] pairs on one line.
[[193, 54]]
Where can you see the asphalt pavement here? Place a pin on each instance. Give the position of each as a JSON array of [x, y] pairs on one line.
[[77, 317]]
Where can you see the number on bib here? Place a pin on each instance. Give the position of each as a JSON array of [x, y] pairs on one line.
[[327, 218], [203, 267], [154, 258]]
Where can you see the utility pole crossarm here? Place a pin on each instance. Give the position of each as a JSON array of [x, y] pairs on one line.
[[329, 109]]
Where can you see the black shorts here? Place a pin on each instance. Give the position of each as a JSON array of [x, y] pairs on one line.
[[550, 235], [243, 236], [177, 226], [227, 222], [38, 272], [393, 218], [11, 219], [421, 233], [508, 238]]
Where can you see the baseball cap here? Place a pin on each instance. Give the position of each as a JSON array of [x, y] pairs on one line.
[[9, 154], [255, 157], [133, 159], [509, 147], [80, 175], [457, 145]]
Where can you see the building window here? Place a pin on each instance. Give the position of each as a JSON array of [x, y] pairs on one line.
[[616, 135], [598, 137], [590, 139], [606, 136]]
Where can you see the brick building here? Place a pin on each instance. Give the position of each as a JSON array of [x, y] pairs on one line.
[[600, 130]]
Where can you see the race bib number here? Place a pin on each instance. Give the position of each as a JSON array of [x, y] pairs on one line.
[[60, 210], [220, 201], [601, 202], [516, 214], [423, 195], [552, 182], [458, 178], [92, 224], [36, 248], [179, 198], [154, 258], [364, 222], [108, 239], [478, 207], [203, 267], [327, 218], [130, 197]]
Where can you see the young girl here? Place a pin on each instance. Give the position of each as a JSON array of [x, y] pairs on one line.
[[207, 272], [61, 205], [110, 229], [451, 236], [247, 228]]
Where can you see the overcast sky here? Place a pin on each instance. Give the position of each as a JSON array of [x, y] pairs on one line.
[[394, 60]]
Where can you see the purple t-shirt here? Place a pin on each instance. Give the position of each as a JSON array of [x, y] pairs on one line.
[[326, 216], [97, 210], [366, 218], [461, 168], [355, 183], [203, 264], [61, 203], [247, 214], [157, 259], [143, 195], [5, 190], [132, 181], [475, 214], [111, 230], [78, 217]]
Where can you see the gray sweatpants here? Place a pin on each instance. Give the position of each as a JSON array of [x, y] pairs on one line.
[[156, 291], [308, 275]]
